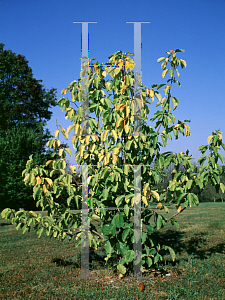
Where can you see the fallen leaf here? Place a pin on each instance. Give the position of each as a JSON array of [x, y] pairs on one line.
[[108, 277], [141, 286], [54, 278]]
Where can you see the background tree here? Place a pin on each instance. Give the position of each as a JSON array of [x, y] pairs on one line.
[[24, 105]]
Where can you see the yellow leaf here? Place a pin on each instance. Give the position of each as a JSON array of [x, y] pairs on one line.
[[44, 188], [87, 139], [143, 137], [126, 65], [115, 158], [38, 180], [72, 168], [209, 138], [120, 64], [179, 209], [164, 73], [118, 122], [144, 199], [106, 158], [104, 135], [95, 138], [62, 128], [76, 128], [159, 205], [49, 181], [118, 106], [220, 136], [61, 152], [102, 152], [104, 73], [64, 164], [65, 91], [82, 147], [100, 159], [69, 128], [57, 143], [150, 93], [114, 135], [56, 133], [47, 163], [186, 130], [145, 188], [73, 138], [92, 148], [103, 93], [126, 128], [127, 110], [156, 195], [123, 89], [86, 155], [116, 150]]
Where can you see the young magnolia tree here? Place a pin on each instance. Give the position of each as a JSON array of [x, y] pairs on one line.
[[111, 183]]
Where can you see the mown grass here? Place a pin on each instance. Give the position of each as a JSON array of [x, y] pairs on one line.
[[32, 268]]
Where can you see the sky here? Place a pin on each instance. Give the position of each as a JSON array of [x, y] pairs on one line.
[[44, 32]]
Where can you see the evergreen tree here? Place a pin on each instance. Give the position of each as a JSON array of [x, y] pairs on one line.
[[24, 105]]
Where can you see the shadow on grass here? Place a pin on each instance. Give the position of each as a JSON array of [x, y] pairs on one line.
[[196, 245], [5, 224]]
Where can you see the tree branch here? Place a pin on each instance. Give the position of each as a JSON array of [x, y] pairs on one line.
[[176, 214]]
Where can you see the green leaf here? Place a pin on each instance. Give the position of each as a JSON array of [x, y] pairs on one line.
[[108, 247], [119, 200], [149, 261], [181, 196], [121, 268], [166, 89], [158, 96], [150, 228], [175, 102], [172, 253], [118, 220], [201, 159], [189, 184], [125, 234], [199, 183], [159, 222], [160, 85], [39, 232], [221, 157], [24, 229], [109, 229], [222, 187], [161, 162], [171, 72]]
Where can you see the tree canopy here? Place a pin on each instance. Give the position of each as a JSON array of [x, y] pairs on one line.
[[24, 111]]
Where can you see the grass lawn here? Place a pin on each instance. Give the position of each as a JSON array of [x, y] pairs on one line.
[[32, 268]]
